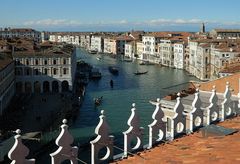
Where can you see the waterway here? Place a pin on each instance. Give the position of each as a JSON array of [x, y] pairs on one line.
[[128, 88]]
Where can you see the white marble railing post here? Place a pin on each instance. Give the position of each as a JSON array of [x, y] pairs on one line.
[[212, 111], [178, 120], [103, 140], [65, 150], [19, 152], [227, 108], [157, 129], [134, 132], [194, 117]]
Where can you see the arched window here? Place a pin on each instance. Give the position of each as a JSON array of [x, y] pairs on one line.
[[54, 61], [45, 62]]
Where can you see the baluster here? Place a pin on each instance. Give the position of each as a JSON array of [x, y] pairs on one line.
[[158, 126], [227, 109], [179, 118], [134, 131], [103, 140], [65, 150], [19, 151], [212, 111], [196, 114]]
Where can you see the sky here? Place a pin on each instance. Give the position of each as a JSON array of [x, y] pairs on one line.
[[120, 15]]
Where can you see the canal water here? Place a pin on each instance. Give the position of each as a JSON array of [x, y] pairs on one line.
[[117, 101]]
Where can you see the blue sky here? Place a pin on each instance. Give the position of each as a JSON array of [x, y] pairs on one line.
[[120, 15]]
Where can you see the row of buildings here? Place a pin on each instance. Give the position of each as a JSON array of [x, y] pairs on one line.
[[206, 55], [27, 67]]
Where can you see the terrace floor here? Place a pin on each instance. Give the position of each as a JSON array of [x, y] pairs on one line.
[[194, 148]]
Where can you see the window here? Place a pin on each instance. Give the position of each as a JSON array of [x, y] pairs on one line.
[[45, 71], [55, 71], [36, 71], [64, 61], [45, 62], [27, 62], [54, 61], [36, 61], [64, 71]]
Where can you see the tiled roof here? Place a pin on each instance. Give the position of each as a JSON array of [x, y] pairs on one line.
[[221, 84]]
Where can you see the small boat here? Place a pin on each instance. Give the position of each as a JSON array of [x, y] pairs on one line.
[[92, 51], [140, 73], [127, 60], [99, 58], [98, 101], [113, 70]]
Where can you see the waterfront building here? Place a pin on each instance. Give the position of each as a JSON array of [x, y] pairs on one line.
[[199, 58], [166, 51], [225, 33], [85, 41], [149, 47], [49, 70], [9, 33], [139, 49], [129, 50], [96, 43], [7, 81], [179, 55], [64, 38], [109, 46]]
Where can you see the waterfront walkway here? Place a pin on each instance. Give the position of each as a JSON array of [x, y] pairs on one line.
[[194, 149]]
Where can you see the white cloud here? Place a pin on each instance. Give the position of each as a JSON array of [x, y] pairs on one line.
[[173, 21], [154, 22], [52, 22]]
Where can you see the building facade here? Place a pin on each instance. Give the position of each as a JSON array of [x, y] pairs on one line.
[[52, 71], [20, 33], [96, 43], [7, 81]]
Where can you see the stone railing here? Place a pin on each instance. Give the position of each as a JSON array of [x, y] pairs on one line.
[[168, 122]]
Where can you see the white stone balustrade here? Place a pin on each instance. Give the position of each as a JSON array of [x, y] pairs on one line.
[[194, 116], [134, 132], [19, 151], [212, 111], [227, 104], [103, 140], [157, 129], [65, 150]]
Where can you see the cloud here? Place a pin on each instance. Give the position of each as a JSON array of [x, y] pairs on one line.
[[52, 22], [152, 23]]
